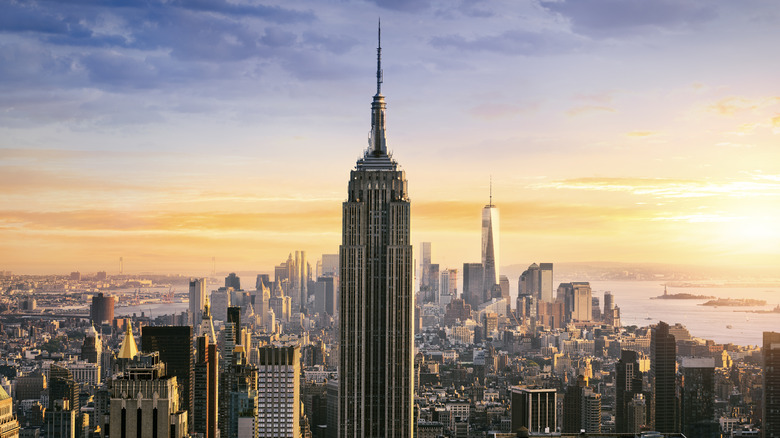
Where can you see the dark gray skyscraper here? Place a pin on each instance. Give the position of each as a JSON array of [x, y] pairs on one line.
[[771, 405], [376, 332], [663, 361]]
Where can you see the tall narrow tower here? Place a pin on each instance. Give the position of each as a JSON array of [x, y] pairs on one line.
[[376, 333], [490, 245]]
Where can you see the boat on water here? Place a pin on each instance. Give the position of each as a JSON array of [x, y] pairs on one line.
[[729, 326]]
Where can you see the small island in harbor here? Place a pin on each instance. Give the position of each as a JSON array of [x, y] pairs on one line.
[[735, 302], [681, 296]]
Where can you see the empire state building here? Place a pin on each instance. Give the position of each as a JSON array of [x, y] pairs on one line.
[[376, 362]]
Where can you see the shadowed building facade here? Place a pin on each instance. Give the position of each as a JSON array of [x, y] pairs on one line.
[[663, 375], [376, 332], [771, 405]]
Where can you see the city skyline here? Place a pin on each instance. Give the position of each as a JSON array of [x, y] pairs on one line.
[[625, 136]]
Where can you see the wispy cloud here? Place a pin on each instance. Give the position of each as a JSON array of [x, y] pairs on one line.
[[671, 188], [731, 106], [589, 109], [608, 18]]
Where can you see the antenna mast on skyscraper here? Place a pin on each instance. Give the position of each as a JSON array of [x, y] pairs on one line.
[[491, 190], [379, 58]]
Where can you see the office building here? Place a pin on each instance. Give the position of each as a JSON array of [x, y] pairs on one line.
[[376, 346], [697, 398], [771, 400], [219, 302], [278, 377], [240, 410], [233, 280], [330, 265], [537, 281], [425, 256], [534, 409], [60, 420], [62, 386], [206, 387], [573, 406], [325, 295], [102, 309], [448, 284], [473, 284], [174, 343], [546, 282], [197, 299], [663, 361], [529, 281], [628, 383], [92, 348], [490, 245], [145, 401], [576, 297]]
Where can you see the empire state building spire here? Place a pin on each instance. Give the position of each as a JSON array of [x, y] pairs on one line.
[[377, 142]]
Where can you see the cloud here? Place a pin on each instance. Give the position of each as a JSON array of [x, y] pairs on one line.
[[731, 106], [671, 188], [519, 42], [120, 221], [604, 18], [403, 5], [493, 111], [589, 109], [642, 133]]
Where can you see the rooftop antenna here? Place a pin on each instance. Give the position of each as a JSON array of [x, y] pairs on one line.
[[379, 59], [491, 190]]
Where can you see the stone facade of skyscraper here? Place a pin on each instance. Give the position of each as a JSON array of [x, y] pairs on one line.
[[376, 348], [145, 401]]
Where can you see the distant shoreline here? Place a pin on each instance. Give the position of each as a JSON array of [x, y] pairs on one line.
[[722, 285]]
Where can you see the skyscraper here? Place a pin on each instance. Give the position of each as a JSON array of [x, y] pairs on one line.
[[490, 249], [206, 386], [663, 360], [145, 401], [771, 405], [697, 401], [473, 284], [278, 376], [534, 409], [628, 383], [102, 309], [577, 300], [174, 343], [197, 299], [377, 303]]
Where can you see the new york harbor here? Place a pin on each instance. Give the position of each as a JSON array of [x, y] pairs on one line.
[[389, 219]]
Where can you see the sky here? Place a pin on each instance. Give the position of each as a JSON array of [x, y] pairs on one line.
[[168, 132]]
